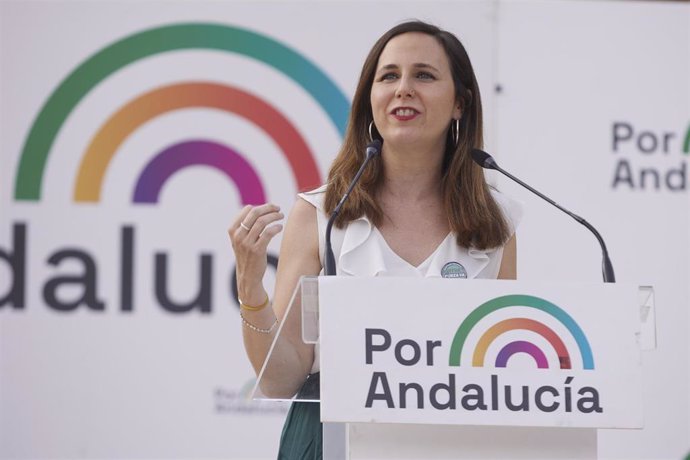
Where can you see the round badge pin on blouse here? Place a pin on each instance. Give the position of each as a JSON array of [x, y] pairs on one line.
[[453, 270]]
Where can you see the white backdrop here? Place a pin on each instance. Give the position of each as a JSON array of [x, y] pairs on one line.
[[147, 383], [570, 71]]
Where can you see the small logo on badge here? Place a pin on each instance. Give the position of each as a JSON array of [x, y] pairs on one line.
[[453, 270]]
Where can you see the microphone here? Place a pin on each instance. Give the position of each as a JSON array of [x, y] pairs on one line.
[[373, 149], [486, 161]]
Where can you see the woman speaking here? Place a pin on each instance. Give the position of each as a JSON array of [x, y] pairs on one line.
[[421, 208]]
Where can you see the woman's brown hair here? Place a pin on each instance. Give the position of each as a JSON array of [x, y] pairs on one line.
[[472, 212]]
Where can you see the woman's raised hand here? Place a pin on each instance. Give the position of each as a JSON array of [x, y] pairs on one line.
[[250, 234]]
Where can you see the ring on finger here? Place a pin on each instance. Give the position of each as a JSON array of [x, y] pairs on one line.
[[244, 226]]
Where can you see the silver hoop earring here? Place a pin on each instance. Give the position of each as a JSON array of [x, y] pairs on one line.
[[455, 130], [371, 136]]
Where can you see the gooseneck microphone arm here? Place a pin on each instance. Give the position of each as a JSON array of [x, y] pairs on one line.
[[486, 161], [373, 149]]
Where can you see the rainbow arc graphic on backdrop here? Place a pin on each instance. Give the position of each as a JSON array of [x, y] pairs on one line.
[[125, 121], [189, 94], [492, 333]]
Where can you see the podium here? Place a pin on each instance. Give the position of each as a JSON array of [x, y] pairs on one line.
[[450, 368]]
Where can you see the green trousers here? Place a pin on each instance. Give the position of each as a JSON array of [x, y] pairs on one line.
[[302, 433], [302, 437]]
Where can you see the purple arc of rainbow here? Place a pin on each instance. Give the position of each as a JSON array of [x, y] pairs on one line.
[[159, 101], [517, 324], [198, 152], [521, 346]]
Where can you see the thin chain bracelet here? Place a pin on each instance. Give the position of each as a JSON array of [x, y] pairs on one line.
[[258, 329]]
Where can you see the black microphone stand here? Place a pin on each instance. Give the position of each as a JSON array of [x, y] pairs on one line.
[[486, 161], [373, 149]]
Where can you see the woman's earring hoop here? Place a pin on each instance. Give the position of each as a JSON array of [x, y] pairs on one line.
[[455, 130], [371, 137]]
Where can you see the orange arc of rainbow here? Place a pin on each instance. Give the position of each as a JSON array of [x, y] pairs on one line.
[[149, 105], [520, 323]]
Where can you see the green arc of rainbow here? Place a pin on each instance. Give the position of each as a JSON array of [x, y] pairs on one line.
[[520, 300], [144, 44]]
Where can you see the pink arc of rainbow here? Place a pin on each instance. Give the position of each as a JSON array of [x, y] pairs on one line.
[[149, 105], [198, 152], [525, 324], [521, 346]]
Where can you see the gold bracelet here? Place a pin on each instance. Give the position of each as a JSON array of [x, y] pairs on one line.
[[250, 308], [258, 329]]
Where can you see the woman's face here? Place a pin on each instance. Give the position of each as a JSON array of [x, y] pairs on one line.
[[413, 95]]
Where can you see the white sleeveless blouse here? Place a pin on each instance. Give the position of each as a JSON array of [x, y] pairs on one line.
[[361, 250]]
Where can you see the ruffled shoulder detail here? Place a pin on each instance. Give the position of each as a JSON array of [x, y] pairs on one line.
[[350, 255], [360, 255], [315, 197]]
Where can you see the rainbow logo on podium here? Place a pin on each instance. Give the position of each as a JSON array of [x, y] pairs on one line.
[[520, 346], [188, 94]]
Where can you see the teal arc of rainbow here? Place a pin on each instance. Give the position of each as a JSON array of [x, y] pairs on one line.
[[150, 42], [520, 300]]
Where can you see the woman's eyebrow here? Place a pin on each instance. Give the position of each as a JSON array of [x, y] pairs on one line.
[[419, 65]]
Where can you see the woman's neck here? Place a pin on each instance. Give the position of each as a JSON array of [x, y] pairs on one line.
[[412, 176]]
